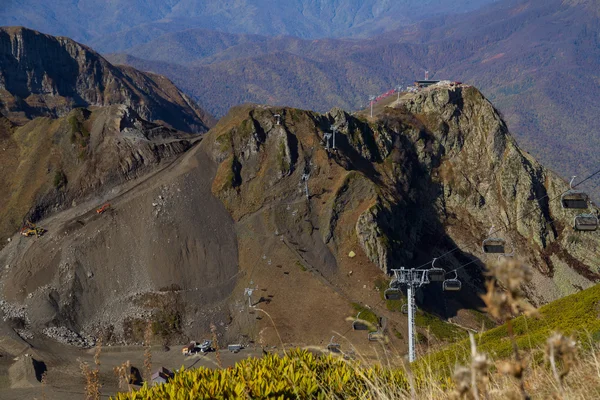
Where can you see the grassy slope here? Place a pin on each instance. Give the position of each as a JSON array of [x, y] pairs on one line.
[[576, 315], [573, 315]]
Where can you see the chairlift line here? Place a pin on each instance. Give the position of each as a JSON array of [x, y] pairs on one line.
[[574, 199], [522, 216], [359, 325], [585, 222]]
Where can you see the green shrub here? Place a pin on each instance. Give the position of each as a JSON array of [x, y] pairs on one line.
[[298, 375], [60, 179], [439, 328]]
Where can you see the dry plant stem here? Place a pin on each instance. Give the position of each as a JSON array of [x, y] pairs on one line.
[[44, 382], [148, 352], [473, 369], [274, 327], [513, 341], [213, 330], [554, 370]]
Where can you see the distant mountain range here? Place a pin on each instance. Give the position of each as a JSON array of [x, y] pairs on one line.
[[538, 61], [119, 24]]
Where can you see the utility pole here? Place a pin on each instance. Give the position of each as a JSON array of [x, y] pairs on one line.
[[248, 292], [305, 179], [333, 131], [411, 279], [327, 136], [372, 99]]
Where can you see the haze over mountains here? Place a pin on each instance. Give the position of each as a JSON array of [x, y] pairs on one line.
[[105, 24], [538, 61]]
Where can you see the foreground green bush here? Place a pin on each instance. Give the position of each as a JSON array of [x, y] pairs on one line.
[[299, 375]]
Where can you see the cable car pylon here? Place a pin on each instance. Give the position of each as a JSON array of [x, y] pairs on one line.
[[412, 279]]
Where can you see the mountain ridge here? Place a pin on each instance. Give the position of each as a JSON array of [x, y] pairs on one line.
[[47, 76]]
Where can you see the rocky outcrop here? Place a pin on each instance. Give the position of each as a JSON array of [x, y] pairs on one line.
[[56, 163], [42, 75], [431, 175]]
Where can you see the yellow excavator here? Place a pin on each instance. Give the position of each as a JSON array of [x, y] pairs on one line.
[[30, 229]]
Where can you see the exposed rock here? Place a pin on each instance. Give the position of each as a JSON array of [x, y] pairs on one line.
[[434, 173], [44, 75]]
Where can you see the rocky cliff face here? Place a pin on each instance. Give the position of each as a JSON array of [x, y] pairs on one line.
[[52, 164], [263, 205], [42, 75], [427, 177]]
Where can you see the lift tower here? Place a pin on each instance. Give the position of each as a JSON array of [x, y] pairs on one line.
[[412, 279]]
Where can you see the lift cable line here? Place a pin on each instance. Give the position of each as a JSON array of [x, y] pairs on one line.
[[522, 216], [414, 278]]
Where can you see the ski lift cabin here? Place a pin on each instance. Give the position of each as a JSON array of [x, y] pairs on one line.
[[334, 347], [453, 284], [392, 294], [586, 222], [574, 199], [494, 246], [359, 325], [435, 274]]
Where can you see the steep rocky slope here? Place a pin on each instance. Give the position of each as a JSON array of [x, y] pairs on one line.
[[42, 75], [72, 126], [426, 178], [535, 60], [431, 174]]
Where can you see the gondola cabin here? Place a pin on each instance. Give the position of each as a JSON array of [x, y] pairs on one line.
[[494, 246], [574, 199], [452, 285], [586, 222], [436, 274], [392, 294]]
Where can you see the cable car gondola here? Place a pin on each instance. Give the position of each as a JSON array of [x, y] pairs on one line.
[[453, 284], [435, 274], [392, 294], [574, 199], [507, 256], [585, 222], [333, 347], [359, 325], [494, 245]]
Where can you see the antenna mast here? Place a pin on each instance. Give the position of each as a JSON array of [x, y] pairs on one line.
[[372, 99], [305, 177]]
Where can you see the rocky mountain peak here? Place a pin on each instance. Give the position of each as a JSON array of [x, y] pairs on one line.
[[431, 173], [42, 75]]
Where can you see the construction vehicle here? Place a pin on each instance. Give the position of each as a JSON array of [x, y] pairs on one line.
[[194, 348], [103, 208], [30, 229]]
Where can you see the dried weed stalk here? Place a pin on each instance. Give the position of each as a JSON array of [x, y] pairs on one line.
[[122, 372], [148, 352], [472, 383], [92, 376], [213, 331], [563, 349], [504, 300]]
